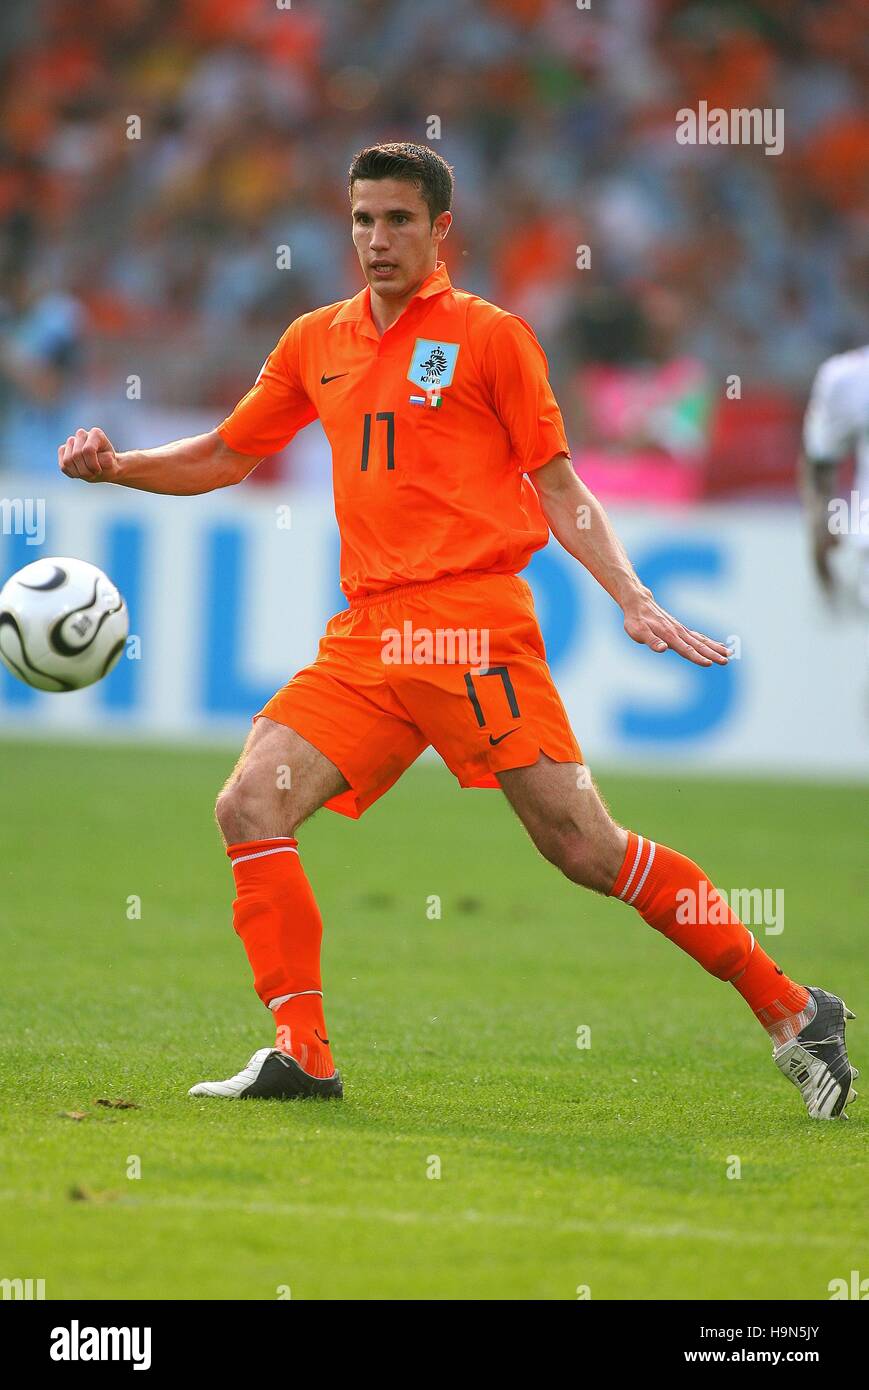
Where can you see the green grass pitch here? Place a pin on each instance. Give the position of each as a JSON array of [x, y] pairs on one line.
[[560, 1167]]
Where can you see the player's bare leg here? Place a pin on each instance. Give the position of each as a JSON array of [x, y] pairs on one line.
[[279, 780], [568, 822], [563, 813]]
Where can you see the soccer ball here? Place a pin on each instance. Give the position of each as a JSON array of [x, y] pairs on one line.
[[63, 624]]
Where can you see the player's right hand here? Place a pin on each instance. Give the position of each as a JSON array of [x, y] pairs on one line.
[[90, 455]]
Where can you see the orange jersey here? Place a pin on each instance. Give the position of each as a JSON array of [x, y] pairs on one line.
[[432, 427]]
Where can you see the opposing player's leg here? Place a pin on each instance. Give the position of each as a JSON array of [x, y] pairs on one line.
[[568, 822], [278, 782]]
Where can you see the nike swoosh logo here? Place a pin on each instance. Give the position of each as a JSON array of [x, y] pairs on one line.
[[324, 379], [501, 737], [316, 1034]]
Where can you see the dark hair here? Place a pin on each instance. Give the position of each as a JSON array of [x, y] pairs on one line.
[[418, 164]]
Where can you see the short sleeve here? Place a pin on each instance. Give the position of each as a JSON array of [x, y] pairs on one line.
[[275, 408], [828, 427], [515, 370]]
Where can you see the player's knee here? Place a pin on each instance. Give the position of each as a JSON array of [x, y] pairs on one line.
[[246, 810], [583, 858], [227, 813], [571, 853]]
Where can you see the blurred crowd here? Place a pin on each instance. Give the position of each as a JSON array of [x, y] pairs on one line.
[[156, 154]]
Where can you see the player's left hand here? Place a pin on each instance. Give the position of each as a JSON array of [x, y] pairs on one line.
[[648, 623]]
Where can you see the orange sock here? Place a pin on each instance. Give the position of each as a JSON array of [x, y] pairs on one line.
[[674, 896], [276, 915]]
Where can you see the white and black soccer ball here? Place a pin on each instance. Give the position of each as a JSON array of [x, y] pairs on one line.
[[63, 624]]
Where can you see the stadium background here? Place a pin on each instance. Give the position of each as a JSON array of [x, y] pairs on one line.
[[140, 291]]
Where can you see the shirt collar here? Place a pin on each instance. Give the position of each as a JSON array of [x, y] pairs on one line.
[[358, 309]]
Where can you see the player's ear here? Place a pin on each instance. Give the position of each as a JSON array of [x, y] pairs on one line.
[[441, 225]]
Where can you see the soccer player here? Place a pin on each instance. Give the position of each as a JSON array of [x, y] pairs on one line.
[[451, 467], [836, 426]]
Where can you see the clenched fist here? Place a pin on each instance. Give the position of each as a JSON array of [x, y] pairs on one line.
[[89, 454]]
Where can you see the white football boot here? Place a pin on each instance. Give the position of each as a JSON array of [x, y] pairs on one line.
[[816, 1060], [272, 1075]]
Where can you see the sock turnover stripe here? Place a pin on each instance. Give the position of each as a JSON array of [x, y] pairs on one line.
[[634, 869], [645, 873], [283, 998], [262, 854]]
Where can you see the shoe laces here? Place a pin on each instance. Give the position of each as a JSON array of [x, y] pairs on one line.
[[821, 1042]]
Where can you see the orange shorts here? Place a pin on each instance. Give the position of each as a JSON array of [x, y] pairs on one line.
[[458, 663]]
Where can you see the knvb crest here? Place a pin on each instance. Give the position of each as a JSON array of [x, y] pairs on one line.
[[432, 364]]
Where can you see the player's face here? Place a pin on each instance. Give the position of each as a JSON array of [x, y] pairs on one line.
[[395, 241]]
